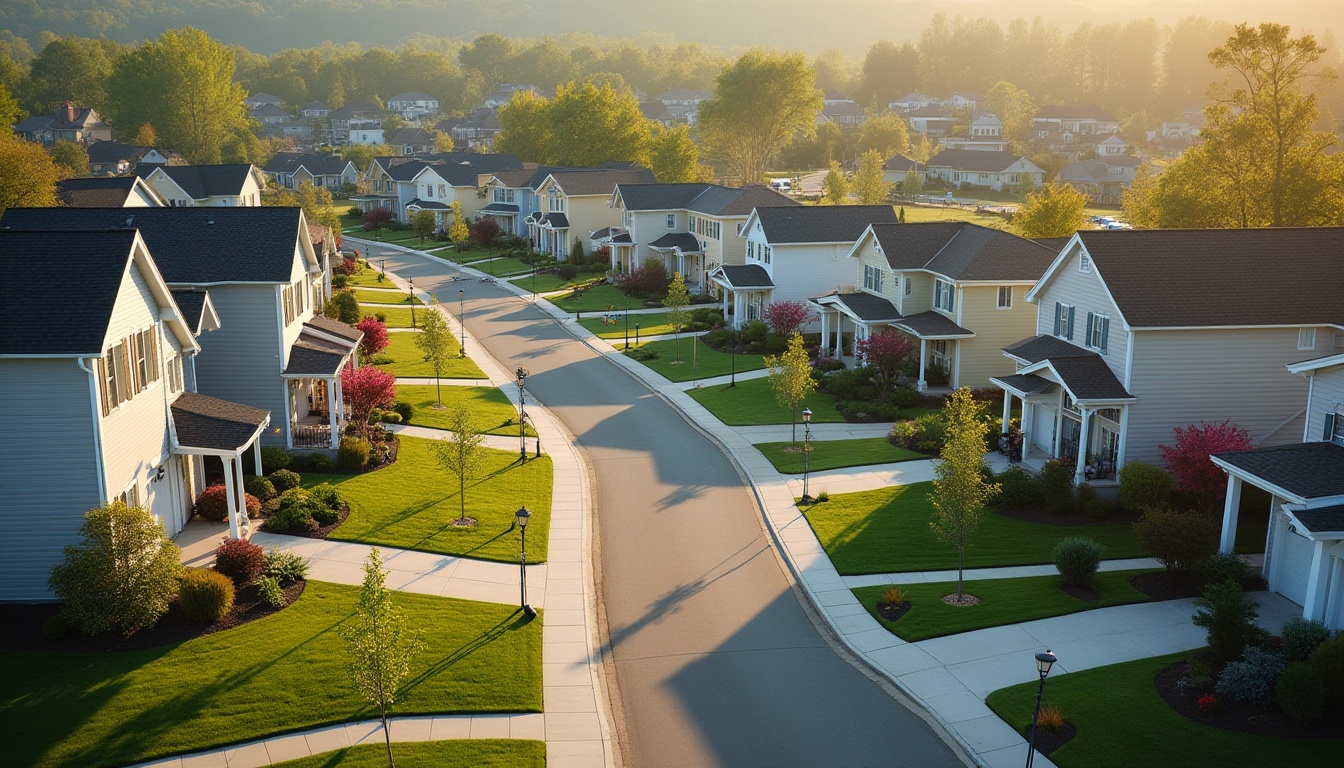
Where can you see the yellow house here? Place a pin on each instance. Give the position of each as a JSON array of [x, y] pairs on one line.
[[574, 204]]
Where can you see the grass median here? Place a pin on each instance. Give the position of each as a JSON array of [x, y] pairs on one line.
[[493, 412], [752, 403], [458, 753], [370, 296], [406, 359], [835, 454], [676, 362]]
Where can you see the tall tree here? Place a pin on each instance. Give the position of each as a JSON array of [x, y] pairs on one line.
[[523, 127], [790, 376], [673, 156], [381, 644], [1015, 107], [835, 187], [676, 301], [435, 341], [870, 186], [886, 134], [28, 174], [73, 69], [10, 111], [759, 103], [461, 455], [959, 488], [183, 85], [458, 231], [587, 125], [71, 156], [490, 55], [889, 72], [1055, 211]]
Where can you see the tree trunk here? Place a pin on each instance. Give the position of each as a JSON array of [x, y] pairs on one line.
[[387, 738], [961, 558], [793, 424]]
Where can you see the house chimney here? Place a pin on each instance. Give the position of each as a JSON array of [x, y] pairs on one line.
[[69, 112]]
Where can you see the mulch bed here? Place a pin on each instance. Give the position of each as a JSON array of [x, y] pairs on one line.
[[1085, 593], [1166, 585], [893, 611], [1241, 717], [321, 532], [1049, 741], [1041, 516], [22, 625]]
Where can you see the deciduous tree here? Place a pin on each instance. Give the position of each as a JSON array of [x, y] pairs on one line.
[[422, 224], [364, 389], [1015, 107], [435, 341], [886, 134], [10, 111], [835, 187], [1055, 211], [28, 174], [461, 455], [886, 351], [1187, 458], [588, 125], [524, 130], [788, 317], [375, 337], [71, 156], [869, 184], [673, 156], [790, 376], [960, 491], [73, 69], [458, 231], [676, 302]]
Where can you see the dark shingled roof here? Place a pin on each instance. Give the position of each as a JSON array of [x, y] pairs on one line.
[[963, 251], [928, 325], [500, 208], [1089, 378], [96, 192], [1217, 277], [600, 181], [1322, 519], [413, 136], [428, 205], [1026, 383], [103, 152], [460, 169], [1038, 348], [192, 304], [555, 221], [214, 424], [86, 267], [335, 328], [683, 241], [202, 181], [866, 306], [1309, 470], [289, 162], [975, 160], [747, 276], [191, 246], [902, 164], [315, 357], [821, 223], [709, 199], [659, 197]]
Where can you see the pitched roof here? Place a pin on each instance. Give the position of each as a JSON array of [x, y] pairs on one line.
[[865, 306], [1309, 470], [1322, 519], [460, 169], [655, 110], [709, 199], [191, 246], [315, 106], [902, 163], [555, 221], [412, 136], [600, 181], [932, 111], [963, 251], [1038, 348], [334, 327], [270, 110], [214, 424], [746, 276], [313, 356], [979, 161], [1222, 277], [659, 197], [351, 110], [261, 97], [821, 223], [932, 325], [1026, 383], [1088, 377], [96, 192], [192, 303], [842, 108], [1071, 111], [682, 241], [202, 181], [104, 152], [318, 165]]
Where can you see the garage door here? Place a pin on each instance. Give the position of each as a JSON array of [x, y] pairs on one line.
[[1294, 565]]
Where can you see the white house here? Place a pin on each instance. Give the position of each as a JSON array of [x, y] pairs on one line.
[[1084, 119], [912, 101], [994, 170], [236, 185], [984, 134], [413, 105]]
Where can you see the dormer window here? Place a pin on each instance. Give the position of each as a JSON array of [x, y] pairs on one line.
[[671, 221], [1084, 261]]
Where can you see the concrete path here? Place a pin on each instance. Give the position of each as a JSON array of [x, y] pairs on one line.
[[779, 433], [974, 574]]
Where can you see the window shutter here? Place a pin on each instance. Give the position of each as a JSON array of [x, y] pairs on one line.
[[1059, 315], [102, 385], [1091, 321], [1329, 427], [1072, 311], [1105, 332], [152, 352], [122, 373]]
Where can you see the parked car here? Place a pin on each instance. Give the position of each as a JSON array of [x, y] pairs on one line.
[[781, 185]]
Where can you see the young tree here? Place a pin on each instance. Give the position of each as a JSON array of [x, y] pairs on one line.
[[885, 134], [28, 174], [364, 389], [458, 231], [1055, 211], [959, 488], [375, 337], [435, 341], [885, 351], [381, 644], [869, 184], [343, 306], [673, 156], [10, 111], [461, 455], [145, 136], [922, 149], [443, 141], [790, 376], [122, 573], [71, 156], [788, 317], [676, 302], [911, 184], [422, 224], [576, 256], [485, 231], [835, 187], [1188, 458]]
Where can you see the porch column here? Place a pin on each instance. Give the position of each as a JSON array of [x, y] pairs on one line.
[[334, 407], [1059, 425], [1314, 606], [1007, 411], [230, 492], [825, 328], [1080, 463], [1333, 610], [839, 335], [256, 455], [1124, 438], [238, 476], [922, 385], [1231, 508]]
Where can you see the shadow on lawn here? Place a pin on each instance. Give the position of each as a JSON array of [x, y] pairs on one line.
[[511, 623]]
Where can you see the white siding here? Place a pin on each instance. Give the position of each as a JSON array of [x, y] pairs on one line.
[[1327, 396], [1085, 291], [801, 272], [240, 361]]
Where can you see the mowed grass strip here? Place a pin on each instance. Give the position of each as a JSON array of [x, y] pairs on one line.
[[408, 361], [547, 282], [412, 504], [371, 296], [887, 531], [595, 299], [1002, 601], [650, 324], [285, 672], [492, 410], [752, 403], [835, 454], [676, 363], [459, 753], [394, 317], [368, 278], [1110, 706]]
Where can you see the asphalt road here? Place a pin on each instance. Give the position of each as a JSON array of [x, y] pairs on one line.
[[716, 662]]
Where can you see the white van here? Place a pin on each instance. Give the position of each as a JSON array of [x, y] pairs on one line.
[[781, 185]]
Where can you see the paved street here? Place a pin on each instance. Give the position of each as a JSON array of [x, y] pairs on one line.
[[715, 660]]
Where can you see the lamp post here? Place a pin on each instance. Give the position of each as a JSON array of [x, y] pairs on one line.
[[636, 334], [382, 263], [732, 382], [521, 517], [627, 328], [521, 373], [462, 321], [411, 281], [1043, 663], [807, 451]]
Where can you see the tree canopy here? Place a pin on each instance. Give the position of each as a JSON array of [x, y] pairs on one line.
[[28, 174], [1055, 211]]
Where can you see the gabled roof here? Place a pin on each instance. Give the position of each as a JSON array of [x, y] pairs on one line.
[[901, 163], [821, 223], [416, 137], [722, 201], [744, 276], [1075, 111], [315, 106], [460, 169], [598, 181], [962, 251], [212, 424], [932, 325], [1304, 470], [101, 191], [351, 110], [202, 181], [1038, 348], [978, 161], [682, 241], [318, 165], [261, 97], [863, 305], [912, 97], [932, 111], [198, 312], [658, 197], [709, 199], [104, 152], [191, 246], [270, 110], [656, 110], [842, 108], [555, 221]]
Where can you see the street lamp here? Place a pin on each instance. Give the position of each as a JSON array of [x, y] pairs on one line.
[[383, 264], [521, 373], [521, 517], [461, 321], [636, 334], [411, 281], [732, 382], [807, 451], [1043, 663], [627, 328]]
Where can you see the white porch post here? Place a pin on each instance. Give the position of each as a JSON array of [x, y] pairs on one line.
[[335, 405], [230, 491], [1007, 411], [1334, 611], [825, 327], [256, 455], [238, 476], [1059, 425], [726, 294], [1317, 578], [1124, 438], [1231, 508], [1080, 461], [922, 385]]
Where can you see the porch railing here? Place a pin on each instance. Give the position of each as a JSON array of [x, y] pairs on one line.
[[312, 436]]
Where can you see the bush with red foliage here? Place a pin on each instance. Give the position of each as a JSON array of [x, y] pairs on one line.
[[347, 267], [376, 218], [240, 560], [485, 231], [213, 504], [647, 281], [365, 389], [787, 317], [885, 352], [375, 336], [1188, 459]]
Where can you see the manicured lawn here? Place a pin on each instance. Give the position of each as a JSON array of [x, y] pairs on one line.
[[461, 753], [596, 299], [834, 454], [887, 531], [547, 282], [365, 296], [674, 360], [650, 324], [403, 237], [492, 410], [368, 277], [475, 254], [1123, 722], [395, 317], [1002, 601], [752, 402], [284, 672], [408, 360], [501, 267], [412, 504]]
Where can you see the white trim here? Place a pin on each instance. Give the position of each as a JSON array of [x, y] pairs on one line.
[[96, 411], [1316, 364], [1129, 361], [1231, 327]]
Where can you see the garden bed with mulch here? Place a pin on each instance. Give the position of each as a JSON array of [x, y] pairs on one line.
[[321, 532], [1239, 716], [893, 611], [1169, 585], [1049, 741], [1041, 516], [22, 625]]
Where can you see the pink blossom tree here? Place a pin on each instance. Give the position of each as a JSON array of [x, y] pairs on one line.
[[375, 337], [1188, 460], [787, 317], [364, 389], [885, 352]]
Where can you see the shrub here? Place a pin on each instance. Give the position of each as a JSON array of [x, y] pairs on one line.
[[1017, 490], [1051, 718], [1301, 637], [1222, 567], [1077, 558], [205, 595], [326, 495], [297, 510], [924, 434], [390, 417], [1097, 509], [213, 503], [319, 462], [642, 353], [1250, 678], [1228, 616], [1328, 659], [852, 384], [1300, 693], [260, 487], [755, 332], [353, 454], [1056, 483], [1143, 485], [284, 566], [405, 410], [1181, 541], [567, 271], [339, 281], [270, 592], [893, 596], [647, 281], [284, 480], [240, 560], [343, 306], [274, 458], [710, 316]]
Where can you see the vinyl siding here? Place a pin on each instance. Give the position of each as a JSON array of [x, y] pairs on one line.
[[734, 246], [240, 361], [867, 256], [1327, 396], [1085, 291], [645, 227], [587, 214], [801, 272], [297, 272], [1185, 377], [921, 293], [982, 356]]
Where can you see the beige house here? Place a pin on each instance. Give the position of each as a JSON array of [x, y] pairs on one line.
[[574, 204], [236, 185]]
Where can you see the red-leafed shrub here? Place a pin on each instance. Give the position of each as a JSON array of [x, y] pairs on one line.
[[375, 336], [213, 504], [365, 389], [240, 560], [485, 231], [376, 218], [885, 352], [1188, 459], [787, 317]]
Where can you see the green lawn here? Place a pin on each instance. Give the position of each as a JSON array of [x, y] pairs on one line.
[[408, 360], [914, 213], [284, 672], [595, 299], [492, 410], [650, 324], [752, 403], [499, 267], [475, 254], [368, 278], [1123, 722], [412, 504], [394, 317], [887, 531], [365, 296], [835, 454], [674, 360], [1002, 601], [403, 237], [460, 753], [548, 281]]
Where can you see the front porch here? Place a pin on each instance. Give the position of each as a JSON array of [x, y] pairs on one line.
[[207, 426], [746, 291], [316, 402]]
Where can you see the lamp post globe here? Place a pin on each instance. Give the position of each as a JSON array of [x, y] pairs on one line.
[[520, 518], [1044, 661], [807, 451]]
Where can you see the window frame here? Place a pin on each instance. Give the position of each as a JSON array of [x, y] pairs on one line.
[[671, 221], [944, 295], [1306, 338], [1000, 303]]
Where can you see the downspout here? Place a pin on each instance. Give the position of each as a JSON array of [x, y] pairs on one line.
[[97, 430]]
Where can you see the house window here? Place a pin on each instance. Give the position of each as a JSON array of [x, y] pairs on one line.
[[939, 355], [174, 374], [429, 191], [131, 496], [1084, 261], [765, 249], [626, 219], [557, 204], [909, 286], [1063, 320], [1098, 328], [1306, 338], [1005, 297], [872, 278], [443, 191], [740, 227], [944, 295], [671, 221], [1334, 427], [128, 368]]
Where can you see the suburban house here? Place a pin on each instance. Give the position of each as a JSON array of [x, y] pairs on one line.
[[315, 110], [115, 158], [691, 228], [932, 121], [573, 204], [478, 129], [961, 101], [81, 125], [1304, 541], [291, 169], [792, 254], [912, 101], [657, 112], [504, 94], [367, 132], [842, 112], [957, 289], [431, 183], [1140, 332], [684, 103], [1084, 119], [102, 405], [412, 141], [984, 134], [107, 192], [256, 101], [234, 185], [512, 198], [994, 170], [272, 351], [897, 168], [413, 105], [271, 114], [361, 115], [1103, 180]]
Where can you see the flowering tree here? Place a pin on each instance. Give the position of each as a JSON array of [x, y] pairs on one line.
[[485, 231], [1188, 460], [364, 389], [375, 337], [885, 351], [787, 317]]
